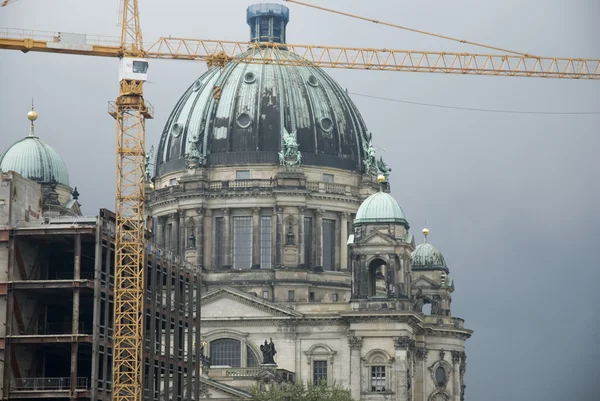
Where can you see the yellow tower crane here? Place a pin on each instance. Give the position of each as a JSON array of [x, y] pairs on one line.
[[131, 111]]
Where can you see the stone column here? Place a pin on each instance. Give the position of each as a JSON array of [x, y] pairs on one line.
[[301, 247], [343, 241], [456, 357], [209, 236], [227, 260], [274, 237], [182, 235], [319, 240], [256, 238], [160, 231], [355, 379], [200, 237], [174, 233], [279, 235]]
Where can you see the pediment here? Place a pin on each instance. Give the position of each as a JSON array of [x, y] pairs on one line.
[[424, 282], [377, 238], [215, 390], [229, 303]]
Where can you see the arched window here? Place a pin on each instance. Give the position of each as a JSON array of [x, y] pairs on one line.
[[440, 376], [228, 352], [378, 365]]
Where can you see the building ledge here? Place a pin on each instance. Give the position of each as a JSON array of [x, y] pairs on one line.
[[50, 284], [50, 338]]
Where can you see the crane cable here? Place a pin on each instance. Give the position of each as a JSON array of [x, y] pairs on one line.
[[409, 29]]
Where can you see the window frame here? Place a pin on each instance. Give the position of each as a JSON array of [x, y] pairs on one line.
[[245, 345], [379, 357], [240, 173], [321, 353]]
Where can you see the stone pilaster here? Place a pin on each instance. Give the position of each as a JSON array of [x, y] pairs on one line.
[[456, 357], [420, 373], [343, 240], [319, 240], [160, 232], [227, 240], [355, 379], [182, 235], [301, 247], [256, 238], [174, 245], [279, 236], [200, 237]]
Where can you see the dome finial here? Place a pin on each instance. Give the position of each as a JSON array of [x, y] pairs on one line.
[[425, 231], [380, 180], [32, 116]]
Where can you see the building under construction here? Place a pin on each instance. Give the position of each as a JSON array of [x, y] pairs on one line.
[[56, 305]]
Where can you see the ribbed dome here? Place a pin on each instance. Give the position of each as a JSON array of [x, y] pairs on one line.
[[257, 103], [380, 207], [426, 255], [35, 160]]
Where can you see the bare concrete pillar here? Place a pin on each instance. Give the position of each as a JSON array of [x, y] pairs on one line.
[[227, 239], [319, 240], [301, 211], [75, 316], [256, 238], [200, 237]]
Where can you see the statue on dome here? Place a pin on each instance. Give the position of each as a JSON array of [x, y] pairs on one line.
[[383, 169], [148, 163], [369, 160], [194, 159], [290, 153]]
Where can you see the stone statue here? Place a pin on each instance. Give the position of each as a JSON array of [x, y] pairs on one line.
[[290, 235], [148, 162], [418, 301], [193, 159], [369, 160], [290, 153], [268, 351], [192, 239], [382, 168]]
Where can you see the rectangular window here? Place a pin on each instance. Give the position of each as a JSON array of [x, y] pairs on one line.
[[328, 178], [291, 296], [242, 174], [319, 371], [329, 245], [266, 240], [308, 238], [173, 181], [334, 297], [220, 242], [266, 294], [311, 296], [242, 242], [377, 378]]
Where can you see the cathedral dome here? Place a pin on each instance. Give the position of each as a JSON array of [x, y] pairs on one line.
[[426, 255], [239, 114], [35, 160], [380, 207]]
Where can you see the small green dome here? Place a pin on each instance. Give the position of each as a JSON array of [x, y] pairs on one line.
[[380, 207], [35, 160], [426, 255]]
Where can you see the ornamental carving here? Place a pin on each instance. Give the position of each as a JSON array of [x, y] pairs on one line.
[[369, 160], [383, 169], [421, 353], [194, 158], [404, 342], [456, 356], [442, 354], [355, 342]]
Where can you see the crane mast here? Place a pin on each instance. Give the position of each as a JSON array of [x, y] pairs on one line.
[[130, 111]]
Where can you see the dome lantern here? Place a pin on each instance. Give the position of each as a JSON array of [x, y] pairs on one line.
[[267, 22]]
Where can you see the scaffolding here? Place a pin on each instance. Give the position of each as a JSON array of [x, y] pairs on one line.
[[58, 289]]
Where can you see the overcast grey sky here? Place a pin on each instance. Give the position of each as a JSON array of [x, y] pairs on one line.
[[511, 199]]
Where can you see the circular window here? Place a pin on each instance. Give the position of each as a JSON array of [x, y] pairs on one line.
[[177, 129], [312, 80], [326, 124], [197, 86], [249, 77], [244, 120]]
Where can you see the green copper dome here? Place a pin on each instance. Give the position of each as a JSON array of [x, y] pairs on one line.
[[380, 207], [35, 160], [427, 256]]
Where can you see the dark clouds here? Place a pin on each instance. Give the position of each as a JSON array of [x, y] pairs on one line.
[[511, 200]]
